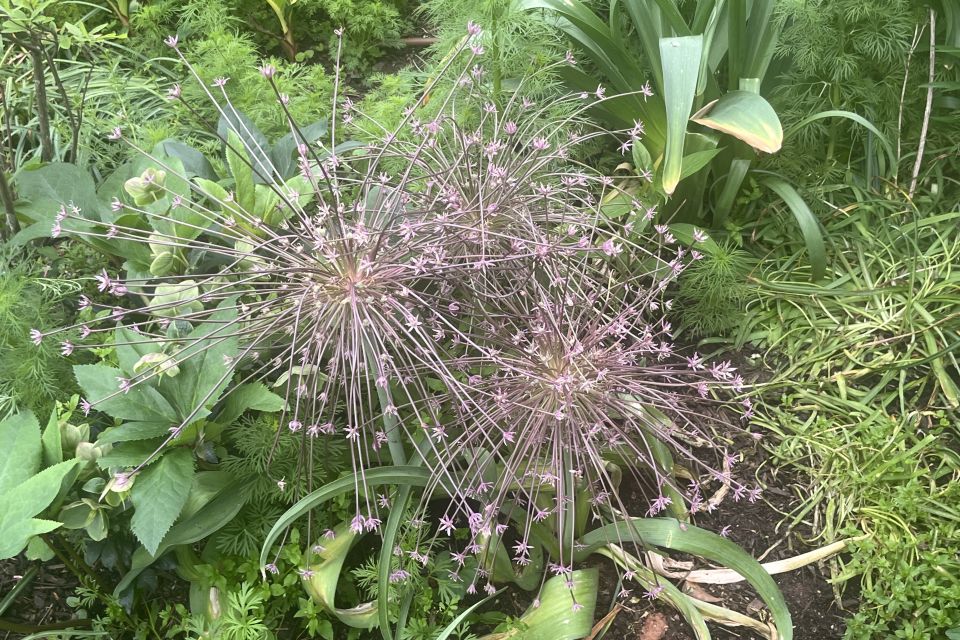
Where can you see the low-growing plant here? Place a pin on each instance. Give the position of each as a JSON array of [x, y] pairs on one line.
[[452, 300]]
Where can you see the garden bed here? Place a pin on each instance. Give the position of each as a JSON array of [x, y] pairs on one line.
[[757, 528]]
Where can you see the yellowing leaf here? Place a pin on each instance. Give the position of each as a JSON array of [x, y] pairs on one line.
[[746, 116]]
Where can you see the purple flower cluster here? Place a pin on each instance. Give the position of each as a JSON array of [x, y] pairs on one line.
[[456, 291]]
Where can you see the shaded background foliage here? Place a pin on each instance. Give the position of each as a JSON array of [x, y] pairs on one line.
[[858, 369]]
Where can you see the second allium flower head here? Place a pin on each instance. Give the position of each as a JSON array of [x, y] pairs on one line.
[[452, 290]]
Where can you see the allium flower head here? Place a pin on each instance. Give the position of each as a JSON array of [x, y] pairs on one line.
[[447, 290]]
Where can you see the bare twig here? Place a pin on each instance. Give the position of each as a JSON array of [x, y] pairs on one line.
[[917, 33], [929, 106]]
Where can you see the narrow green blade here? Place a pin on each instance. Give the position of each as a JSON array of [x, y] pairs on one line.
[[681, 66]]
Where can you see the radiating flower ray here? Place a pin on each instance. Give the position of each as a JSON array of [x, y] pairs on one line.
[[450, 290]]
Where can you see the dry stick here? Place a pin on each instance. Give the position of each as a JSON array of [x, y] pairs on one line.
[[929, 106], [903, 91]]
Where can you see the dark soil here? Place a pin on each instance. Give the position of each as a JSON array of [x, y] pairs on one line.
[[817, 615], [43, 602]]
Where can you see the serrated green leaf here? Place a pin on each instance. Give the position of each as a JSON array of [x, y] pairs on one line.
[[204, 369], [101, 388], [159, 495], [208, 519], [254, 396], [16, 534], [21, 451], [130, 454], [129, 431]]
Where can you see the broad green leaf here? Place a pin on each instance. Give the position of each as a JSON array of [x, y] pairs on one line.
[[100, 385], [159, 494], [16, 534], [193, 161], [746, 116], [564, 613], [284, 151], [808, 223], [239, 162], [254, 395], [228, 206], [406, 475], [43, 190], [668, 533], [19, 505], [37, 549], [322, 585], [207, 519], [21, 452], [684, 234], [255, 144], [130, 454], [207, 485], [681, 66], [52, 445], [130, 348], [204, 369], [134, 431], [76, 515]]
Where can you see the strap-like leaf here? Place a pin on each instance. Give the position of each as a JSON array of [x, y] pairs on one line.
[[413, 476], [668, 533], [746, 116], [680, 58], [808, 223]]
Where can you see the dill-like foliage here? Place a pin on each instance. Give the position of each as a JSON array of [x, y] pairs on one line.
[[714, 290], [841, 54], [31, 377], [250, 444]]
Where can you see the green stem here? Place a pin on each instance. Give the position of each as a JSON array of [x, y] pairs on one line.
[[391, 425], [22, 584], [14, 627], [62, 556], [495, 57]]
